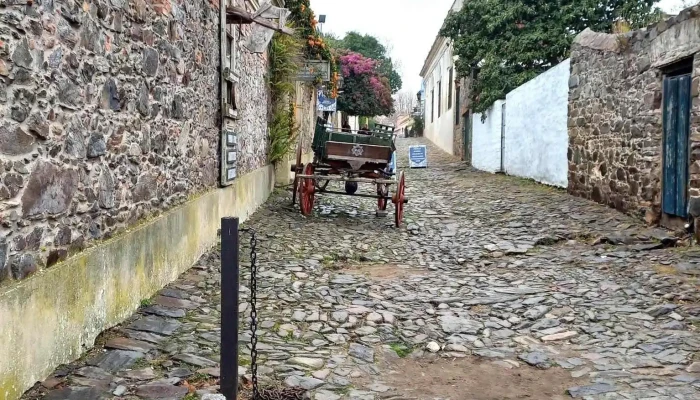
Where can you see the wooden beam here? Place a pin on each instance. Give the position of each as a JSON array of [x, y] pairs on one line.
[[237, 15]]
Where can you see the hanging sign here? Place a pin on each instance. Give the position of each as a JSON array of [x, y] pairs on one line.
[[418, 156], [325, 103], [262, 34], [314, 69]]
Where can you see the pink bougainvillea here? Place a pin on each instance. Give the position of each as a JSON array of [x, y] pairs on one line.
[[365, 91], [355, 63]]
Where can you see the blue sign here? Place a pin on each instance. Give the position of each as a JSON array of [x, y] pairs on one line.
[[326, 103], [418, 156]]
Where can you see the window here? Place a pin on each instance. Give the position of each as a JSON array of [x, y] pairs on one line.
[[457, 90], [449, 91], [231, 51], [432, 105], [439, 98]]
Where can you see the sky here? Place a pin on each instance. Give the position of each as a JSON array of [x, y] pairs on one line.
[[408, 27]]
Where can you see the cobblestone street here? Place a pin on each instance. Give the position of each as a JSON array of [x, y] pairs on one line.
[[494, 288]]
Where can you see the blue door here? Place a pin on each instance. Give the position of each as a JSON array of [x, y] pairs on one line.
[[676, 143]]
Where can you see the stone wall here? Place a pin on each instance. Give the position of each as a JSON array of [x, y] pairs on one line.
[[254, 110], [110, 115], [615, 113]]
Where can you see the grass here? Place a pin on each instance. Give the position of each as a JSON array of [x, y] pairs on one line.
[[401, 349], [191, 396], [198, 377], [665, 269], [243, 361], [141, 363], [146, 302]]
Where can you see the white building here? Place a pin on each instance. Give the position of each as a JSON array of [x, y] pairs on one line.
[[439, 75]]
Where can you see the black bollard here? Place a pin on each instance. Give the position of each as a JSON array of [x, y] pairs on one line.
[[229, 308]]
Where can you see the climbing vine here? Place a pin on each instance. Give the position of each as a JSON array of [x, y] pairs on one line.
[[285, 57], [303, 20], [502, 44]]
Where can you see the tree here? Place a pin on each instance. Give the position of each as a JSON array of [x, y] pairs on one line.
[[404, 103], [504, 43], [365, 91], [370, 47]]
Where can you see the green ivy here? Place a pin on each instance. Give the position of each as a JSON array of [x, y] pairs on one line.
[[502, 44]]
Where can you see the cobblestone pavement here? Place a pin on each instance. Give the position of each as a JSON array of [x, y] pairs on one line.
[[490, 269]]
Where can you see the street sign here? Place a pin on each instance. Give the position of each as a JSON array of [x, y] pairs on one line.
[[314, 69], [418, 156], [326, 103]]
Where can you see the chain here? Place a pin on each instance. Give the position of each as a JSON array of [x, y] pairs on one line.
[[254, 312], [265, 394]]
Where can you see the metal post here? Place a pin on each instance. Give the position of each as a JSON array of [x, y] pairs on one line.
[[229, 308]]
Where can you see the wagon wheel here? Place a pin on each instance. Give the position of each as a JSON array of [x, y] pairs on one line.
[[306, 191], [383, 191], [297, 170], [398, 199]]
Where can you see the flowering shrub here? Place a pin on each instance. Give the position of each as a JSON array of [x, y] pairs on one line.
[[365, 91]]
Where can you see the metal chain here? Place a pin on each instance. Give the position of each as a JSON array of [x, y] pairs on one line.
[[254, 312], [290, 393]]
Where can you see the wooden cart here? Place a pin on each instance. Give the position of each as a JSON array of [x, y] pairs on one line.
[[354, 158]]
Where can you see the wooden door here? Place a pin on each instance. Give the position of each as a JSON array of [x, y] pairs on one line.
[[676, 122]]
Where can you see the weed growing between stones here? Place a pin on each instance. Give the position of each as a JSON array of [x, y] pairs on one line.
[[402, 350]]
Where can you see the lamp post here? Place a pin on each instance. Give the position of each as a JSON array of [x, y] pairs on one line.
[[321, 21]]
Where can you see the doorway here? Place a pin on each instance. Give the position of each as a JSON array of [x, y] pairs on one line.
[[467, 137], [676, 142]]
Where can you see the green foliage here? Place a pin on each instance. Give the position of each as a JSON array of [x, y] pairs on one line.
[[418, 125], [366, 45], [370, 47], [365, 91], [401, 349], [284, 59], [303, 19], [505, 43]]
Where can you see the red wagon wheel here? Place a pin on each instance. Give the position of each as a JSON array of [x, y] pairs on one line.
[[297, 170], [382, 190], [307, 188], [398, 199]]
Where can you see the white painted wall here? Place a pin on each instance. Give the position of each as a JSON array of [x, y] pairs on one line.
[[439, 126], [537, 140], [486, 139]]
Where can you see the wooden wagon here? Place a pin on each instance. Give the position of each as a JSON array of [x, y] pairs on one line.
[[351, 157]]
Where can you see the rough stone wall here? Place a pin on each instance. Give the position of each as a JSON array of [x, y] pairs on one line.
[[615, 113], [305, 115], [254, 107], [110, 114]]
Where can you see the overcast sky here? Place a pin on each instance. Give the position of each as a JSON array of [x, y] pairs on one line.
[[409, 27]]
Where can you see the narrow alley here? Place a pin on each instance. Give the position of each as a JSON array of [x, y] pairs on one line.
[[495, 288]]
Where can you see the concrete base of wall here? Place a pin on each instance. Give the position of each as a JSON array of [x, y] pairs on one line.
[[54, 316], [283, 169]]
